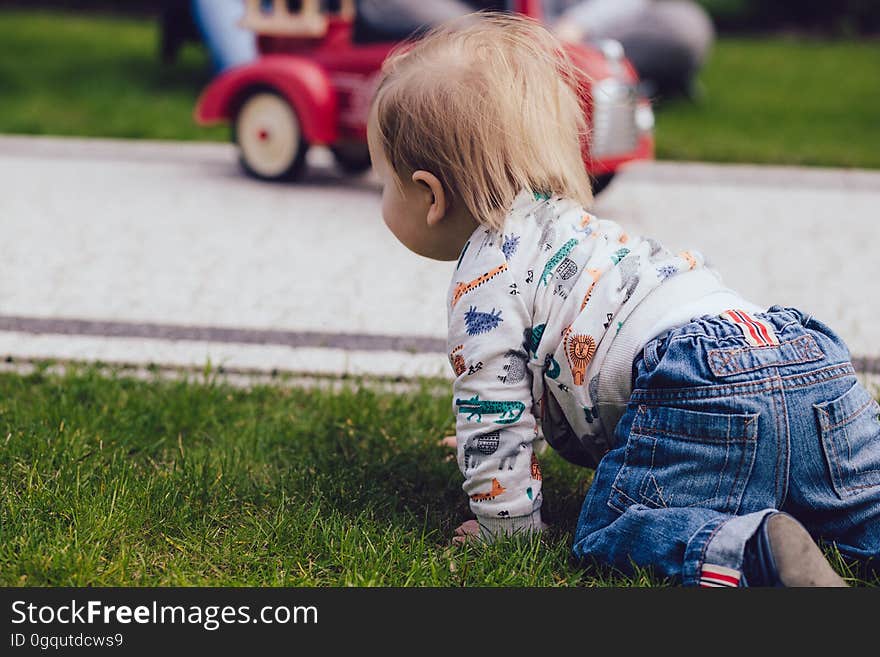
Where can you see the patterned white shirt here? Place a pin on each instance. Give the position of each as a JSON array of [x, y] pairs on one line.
[[537, 315]]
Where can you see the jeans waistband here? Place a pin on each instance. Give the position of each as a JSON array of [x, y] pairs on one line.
[[737, 343], [722, 327]]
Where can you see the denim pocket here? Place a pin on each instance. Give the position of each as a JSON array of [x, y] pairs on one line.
[[850, 429], [683, 458]]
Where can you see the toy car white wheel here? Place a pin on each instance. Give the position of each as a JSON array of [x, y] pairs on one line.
[[269, 137]]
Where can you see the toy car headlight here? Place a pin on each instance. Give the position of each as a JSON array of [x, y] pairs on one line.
[[645, 117], [612, 49]]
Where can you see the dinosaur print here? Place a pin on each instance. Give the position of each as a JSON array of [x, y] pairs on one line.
[[557, 257], [515, 369], [508, 248], [463, 288], [478, 322], [509, 411], [532, 338], [494, 492]]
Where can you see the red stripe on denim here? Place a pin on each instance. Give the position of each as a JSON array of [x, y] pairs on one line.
[[753, 328], [731, 315], [718, 577], [759, 326], [768, 330], [715, 575], [737, 318]]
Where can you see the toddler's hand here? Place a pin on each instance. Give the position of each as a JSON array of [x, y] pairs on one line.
[[467, 531], [450, 442], [470, 531]]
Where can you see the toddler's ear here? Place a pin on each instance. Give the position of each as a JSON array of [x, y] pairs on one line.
[[435, 193]]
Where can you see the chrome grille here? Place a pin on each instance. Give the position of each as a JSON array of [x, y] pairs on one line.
[[614, 129]]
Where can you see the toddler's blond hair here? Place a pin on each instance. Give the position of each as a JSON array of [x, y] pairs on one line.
[[489, 104]]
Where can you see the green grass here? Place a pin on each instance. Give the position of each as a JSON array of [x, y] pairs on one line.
[[108, 481], [771, 100], [97, 76], [113, 481], [780, 101]]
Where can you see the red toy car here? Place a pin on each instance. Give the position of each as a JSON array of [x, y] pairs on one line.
[[314, 80]]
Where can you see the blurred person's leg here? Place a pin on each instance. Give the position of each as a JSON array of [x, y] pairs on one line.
[[598, 18], [667, 42], [229, 44], [395, 20], [176, 27], [668, 45]]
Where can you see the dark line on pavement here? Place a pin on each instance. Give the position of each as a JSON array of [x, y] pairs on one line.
[[694, 173], [150, 331]]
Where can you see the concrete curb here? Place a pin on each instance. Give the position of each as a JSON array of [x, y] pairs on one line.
[[776, 177], [162, 253]]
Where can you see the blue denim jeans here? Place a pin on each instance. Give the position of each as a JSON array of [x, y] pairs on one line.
[[718, 433]]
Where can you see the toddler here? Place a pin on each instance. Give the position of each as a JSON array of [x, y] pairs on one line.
[[712, 423]]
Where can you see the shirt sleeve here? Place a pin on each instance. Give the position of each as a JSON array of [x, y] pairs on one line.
[[492, 398]]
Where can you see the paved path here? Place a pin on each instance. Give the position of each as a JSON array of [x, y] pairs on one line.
[[147, 252]]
